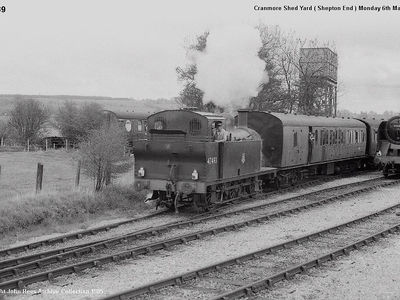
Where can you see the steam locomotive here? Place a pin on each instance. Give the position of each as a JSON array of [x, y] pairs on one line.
[[182, 163], [388, 154]]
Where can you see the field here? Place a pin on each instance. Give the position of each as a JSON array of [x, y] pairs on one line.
[[18, 172], [114, 104], [60, 206]]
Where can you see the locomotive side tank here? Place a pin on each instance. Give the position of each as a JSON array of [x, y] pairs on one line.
[[388, 154], [180, 161]]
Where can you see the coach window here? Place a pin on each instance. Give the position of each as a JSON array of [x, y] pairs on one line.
[[316, 137], [322, 138], [326, 135], [295, 139], [344, 136]]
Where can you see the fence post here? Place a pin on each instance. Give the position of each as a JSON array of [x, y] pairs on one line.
[[78, 174], [28, 145], [47, 144], [39, 177]]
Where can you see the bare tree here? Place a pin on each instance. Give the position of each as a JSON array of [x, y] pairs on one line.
[[191, 95], [27, 119], [67, 120], [292, 87], [271, 94], [101, 152], [75, 122], [4, 131], [288, 64]]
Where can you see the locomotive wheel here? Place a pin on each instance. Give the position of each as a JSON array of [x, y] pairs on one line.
[[293, 179], [170, 206], [277, 183], [201, 202], [250, 189], [385, 171], [232, 194]]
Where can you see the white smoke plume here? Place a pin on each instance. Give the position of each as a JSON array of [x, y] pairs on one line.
[[229, 71]]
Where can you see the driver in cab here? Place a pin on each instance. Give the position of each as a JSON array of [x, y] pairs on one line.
[[220, 134]]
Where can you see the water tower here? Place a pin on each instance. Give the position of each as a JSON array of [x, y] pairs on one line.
[[319, 74]]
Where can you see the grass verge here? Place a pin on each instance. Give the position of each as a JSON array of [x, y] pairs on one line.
[[49, 209]]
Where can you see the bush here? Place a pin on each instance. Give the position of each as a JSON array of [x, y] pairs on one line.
[[102, 154]]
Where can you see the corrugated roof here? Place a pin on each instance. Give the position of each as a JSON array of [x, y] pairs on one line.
[[51, 131], [128, 115]]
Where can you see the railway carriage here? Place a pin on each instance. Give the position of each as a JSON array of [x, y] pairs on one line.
[[299, 145], [134, 124]]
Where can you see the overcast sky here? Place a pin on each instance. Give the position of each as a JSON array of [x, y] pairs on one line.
[[131, 48]]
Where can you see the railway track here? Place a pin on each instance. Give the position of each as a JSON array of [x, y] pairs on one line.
[[15, 272], [84, 248], [94, 231], [248, 274], [73, 236]]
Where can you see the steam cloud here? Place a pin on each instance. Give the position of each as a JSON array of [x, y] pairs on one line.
[[229, 71]]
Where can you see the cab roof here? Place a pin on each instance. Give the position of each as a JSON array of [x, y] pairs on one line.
[[208, 115]]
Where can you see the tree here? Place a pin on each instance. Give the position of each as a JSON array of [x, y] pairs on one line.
[[100, 153], [4, 130], [271, 94], [67, 120], [27, 120], [291, 87], [191, 95], [75, 123]]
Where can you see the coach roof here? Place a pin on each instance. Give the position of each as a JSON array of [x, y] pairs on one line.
[[304, 120]]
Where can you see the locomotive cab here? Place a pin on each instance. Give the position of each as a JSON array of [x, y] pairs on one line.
[[180, 161]]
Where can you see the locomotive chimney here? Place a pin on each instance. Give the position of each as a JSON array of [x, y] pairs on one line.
[[242, 117]]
